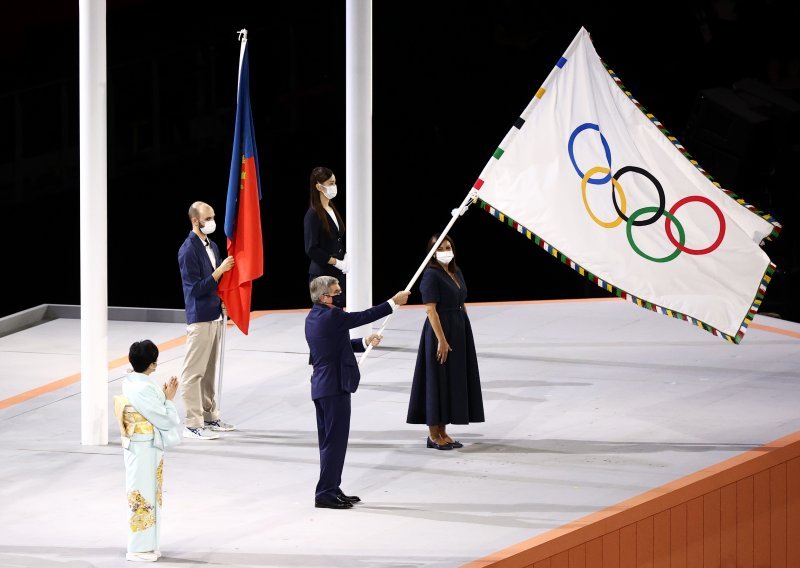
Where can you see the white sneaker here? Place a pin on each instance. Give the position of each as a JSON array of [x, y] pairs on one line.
[[199, 434], [219, 426], [141, 557]]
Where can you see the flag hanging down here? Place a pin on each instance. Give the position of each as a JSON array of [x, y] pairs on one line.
[[242, 209], [597, 182]]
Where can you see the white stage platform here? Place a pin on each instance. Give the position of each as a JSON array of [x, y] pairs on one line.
[[587, 404]]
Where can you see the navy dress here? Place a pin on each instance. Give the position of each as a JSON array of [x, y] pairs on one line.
[[449, 393]]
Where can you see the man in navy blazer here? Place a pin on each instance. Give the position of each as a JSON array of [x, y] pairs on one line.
[[335, 377], [201, 270]]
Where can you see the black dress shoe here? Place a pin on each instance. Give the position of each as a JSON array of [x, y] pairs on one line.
[[432, 444], [349, 498], [456, 444], [338, 504]]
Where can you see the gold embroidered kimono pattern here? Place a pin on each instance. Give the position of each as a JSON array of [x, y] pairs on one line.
[[148, 422]]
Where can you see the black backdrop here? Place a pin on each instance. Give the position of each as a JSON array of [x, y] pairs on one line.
[[450, 78]]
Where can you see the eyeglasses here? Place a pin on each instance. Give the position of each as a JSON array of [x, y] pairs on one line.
[[339, 293]]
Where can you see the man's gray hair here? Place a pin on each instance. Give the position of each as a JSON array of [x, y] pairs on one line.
[[319, 286]]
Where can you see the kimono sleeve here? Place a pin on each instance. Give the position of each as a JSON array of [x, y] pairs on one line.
[[161, 413]]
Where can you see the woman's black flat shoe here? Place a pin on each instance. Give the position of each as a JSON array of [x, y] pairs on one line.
[[432, 444], [457, 444]]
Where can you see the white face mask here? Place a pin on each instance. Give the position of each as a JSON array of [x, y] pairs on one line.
[[330, 191], [209, 227], [444, 256]]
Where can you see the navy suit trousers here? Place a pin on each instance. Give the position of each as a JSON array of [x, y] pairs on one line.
[[333, 430]]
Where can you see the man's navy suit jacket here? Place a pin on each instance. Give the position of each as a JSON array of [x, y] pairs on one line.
[[332, 350], [199, 287]]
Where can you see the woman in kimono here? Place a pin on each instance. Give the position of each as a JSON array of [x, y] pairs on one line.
[[447, 387], [148, 423]]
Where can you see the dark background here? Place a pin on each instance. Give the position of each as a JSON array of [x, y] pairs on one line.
[[450, 78]]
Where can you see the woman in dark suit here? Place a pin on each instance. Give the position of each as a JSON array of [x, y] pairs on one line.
[[323, 228], [447, 387]]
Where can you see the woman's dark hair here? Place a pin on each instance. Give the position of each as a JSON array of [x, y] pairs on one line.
[[433, 263], [142, 354], [318, 176]]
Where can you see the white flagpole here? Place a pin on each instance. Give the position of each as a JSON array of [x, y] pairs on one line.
[[243, 39], [218, 396], [471, 196]]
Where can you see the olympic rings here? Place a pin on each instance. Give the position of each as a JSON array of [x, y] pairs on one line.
[[607, 149], [659, 189], [681, 235], [615, 185], [657, 212], [714, 208]]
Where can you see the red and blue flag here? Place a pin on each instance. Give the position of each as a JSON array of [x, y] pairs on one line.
[[242, 210]]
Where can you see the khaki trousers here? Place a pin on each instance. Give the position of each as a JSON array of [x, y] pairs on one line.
[[199, 372]]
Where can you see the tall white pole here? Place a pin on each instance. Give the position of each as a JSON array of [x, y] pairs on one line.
[[358, 205], [93, 211]]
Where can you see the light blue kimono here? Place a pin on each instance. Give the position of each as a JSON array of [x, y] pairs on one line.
[[149, 424]]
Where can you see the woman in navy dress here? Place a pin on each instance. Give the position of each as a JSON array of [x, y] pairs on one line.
[[323, 231], [447, 386]]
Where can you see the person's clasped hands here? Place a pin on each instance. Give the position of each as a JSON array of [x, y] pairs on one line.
[[170, 388], [343, 265]]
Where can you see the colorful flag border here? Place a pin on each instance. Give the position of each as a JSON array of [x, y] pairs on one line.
[[541, 243]]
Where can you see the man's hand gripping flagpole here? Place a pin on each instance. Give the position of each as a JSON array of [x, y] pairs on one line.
[[455, 214]]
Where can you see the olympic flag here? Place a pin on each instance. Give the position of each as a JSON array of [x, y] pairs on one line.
[[242, 211], [596, 181]]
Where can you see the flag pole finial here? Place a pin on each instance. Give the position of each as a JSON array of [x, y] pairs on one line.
[[242, 32]]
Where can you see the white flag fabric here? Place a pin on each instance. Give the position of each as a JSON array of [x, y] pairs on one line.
[[596, 181]]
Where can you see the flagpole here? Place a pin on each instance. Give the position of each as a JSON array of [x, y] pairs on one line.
[[243, 39], [221, 354], [456, 213]]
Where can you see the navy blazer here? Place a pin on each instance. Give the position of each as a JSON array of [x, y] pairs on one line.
[[199, 287], [320, 247], [335, 367]]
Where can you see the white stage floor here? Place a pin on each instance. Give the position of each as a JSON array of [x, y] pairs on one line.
[[587, 404]]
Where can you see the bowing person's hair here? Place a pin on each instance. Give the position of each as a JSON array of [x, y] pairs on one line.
[[433, 263], [142, 354], [318, 176]]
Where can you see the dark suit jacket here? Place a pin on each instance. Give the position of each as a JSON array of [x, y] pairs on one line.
[[199, 287], [320, 247], [335, 366]]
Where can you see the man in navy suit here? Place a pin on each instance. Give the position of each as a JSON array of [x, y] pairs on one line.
[[335, 377], [201, 271]]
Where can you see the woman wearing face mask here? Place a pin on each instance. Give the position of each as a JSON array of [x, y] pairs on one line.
[[324, 231], [447, 387], [148, 423]]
